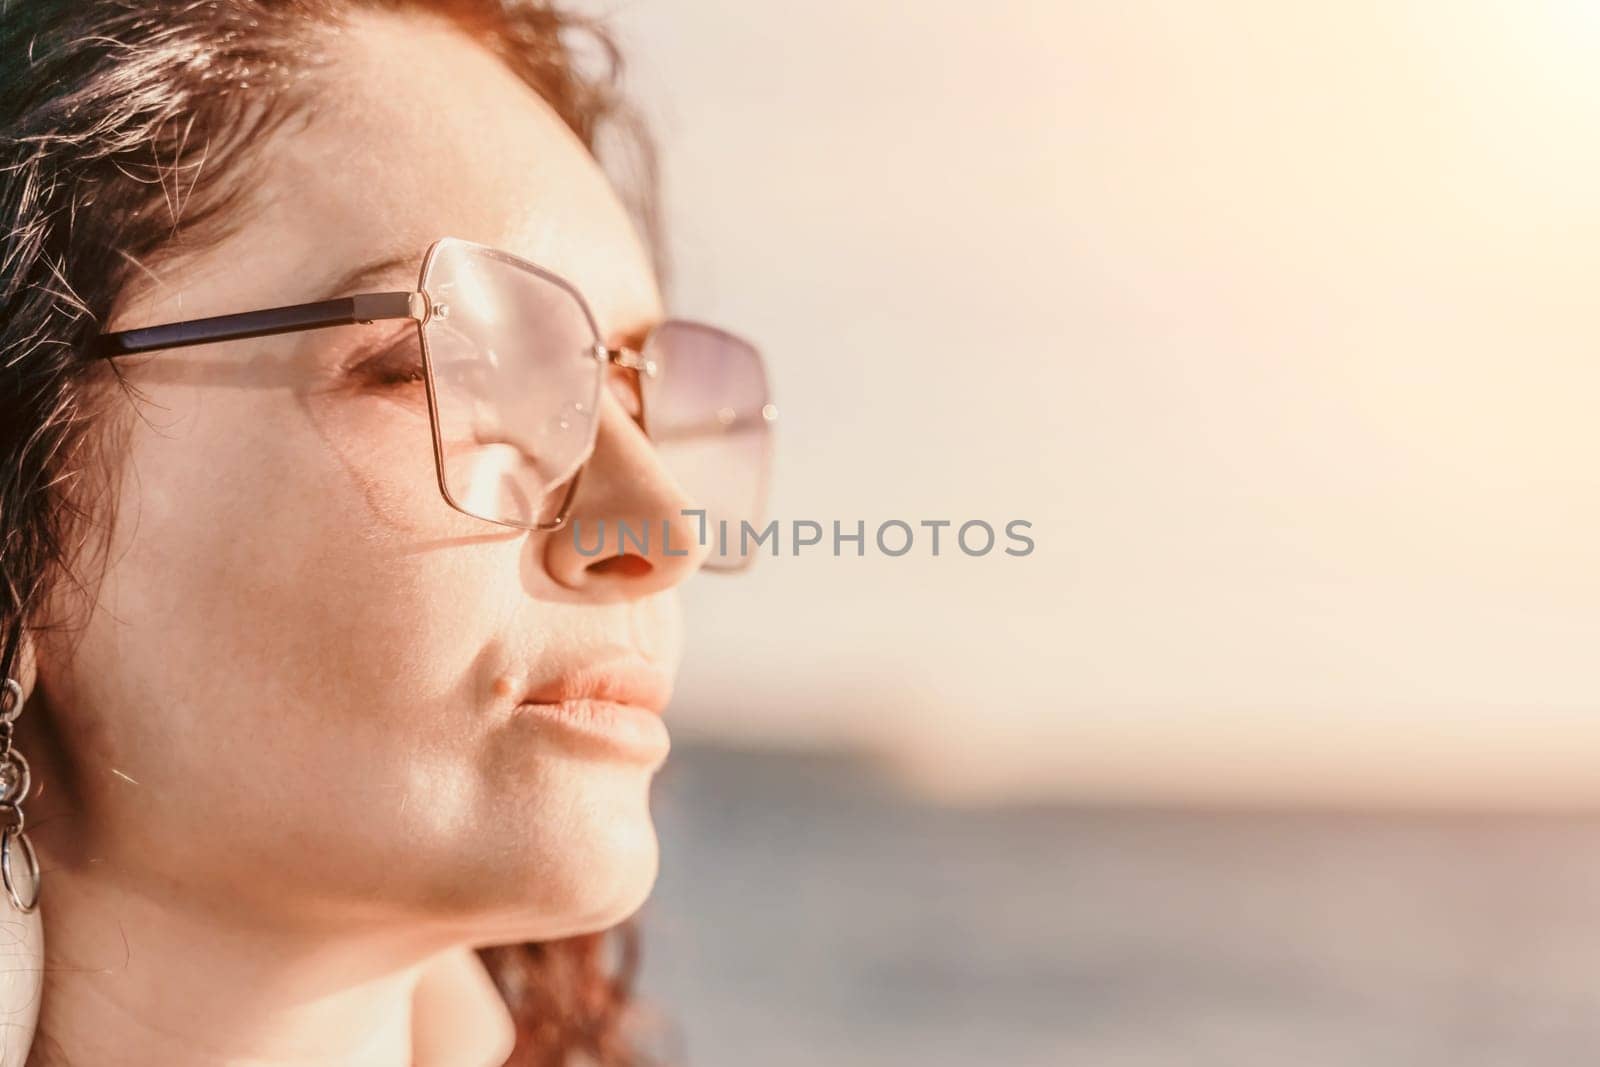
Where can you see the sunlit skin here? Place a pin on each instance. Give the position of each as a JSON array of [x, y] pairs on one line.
[[301, 781]]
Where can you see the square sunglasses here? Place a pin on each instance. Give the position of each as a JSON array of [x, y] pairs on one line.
[[514, 366]]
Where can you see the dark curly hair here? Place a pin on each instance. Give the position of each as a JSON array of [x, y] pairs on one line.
[[106, 108]]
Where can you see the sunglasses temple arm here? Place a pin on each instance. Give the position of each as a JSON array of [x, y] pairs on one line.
[[709, 427], [343, 311]]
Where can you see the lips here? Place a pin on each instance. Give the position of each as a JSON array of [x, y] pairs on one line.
[[630, 682], [608, 709]]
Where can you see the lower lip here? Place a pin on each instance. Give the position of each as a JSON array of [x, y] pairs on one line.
[[619, 730]]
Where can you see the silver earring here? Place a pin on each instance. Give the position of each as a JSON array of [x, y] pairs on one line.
[[22, 886]]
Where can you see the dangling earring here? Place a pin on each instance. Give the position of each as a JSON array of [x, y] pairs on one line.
[[19, 867]]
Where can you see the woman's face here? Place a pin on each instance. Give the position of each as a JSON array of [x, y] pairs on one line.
[[298, 686]]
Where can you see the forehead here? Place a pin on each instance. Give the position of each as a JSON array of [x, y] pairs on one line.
[[416, 132]]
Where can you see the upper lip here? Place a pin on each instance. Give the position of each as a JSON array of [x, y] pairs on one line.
[[620, 681]]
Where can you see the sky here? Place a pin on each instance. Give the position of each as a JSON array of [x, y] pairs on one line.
[[1276, 321]]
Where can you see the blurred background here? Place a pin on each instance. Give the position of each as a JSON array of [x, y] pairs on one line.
[[1277, 322]]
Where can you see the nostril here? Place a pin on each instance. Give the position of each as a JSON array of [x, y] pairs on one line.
[[626, 566]]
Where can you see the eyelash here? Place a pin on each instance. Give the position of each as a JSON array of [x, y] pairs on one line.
[[396, 366], [401, 365]]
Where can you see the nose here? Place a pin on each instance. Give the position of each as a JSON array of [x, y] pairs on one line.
[[626, 535]]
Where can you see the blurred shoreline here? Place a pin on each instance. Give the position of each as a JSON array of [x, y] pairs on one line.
[[810, 910]]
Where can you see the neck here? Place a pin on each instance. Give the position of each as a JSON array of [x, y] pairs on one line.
[[137, 980]]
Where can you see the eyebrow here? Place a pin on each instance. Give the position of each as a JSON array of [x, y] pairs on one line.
[[361, 275]]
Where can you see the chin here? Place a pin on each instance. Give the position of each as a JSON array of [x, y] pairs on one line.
[[588, 872]]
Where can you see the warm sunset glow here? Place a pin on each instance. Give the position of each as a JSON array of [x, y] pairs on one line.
[[1277, 320]]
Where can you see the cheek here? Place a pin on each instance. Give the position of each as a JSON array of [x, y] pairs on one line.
[[296, 637], [281, 517], [375, 452], [286, 589]]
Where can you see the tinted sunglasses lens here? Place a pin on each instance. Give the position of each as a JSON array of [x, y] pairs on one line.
[[708, 412], [515, 382]]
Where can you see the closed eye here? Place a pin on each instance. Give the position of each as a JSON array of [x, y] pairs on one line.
[[394, 366]]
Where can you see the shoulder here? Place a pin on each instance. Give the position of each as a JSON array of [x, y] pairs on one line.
[[21, 980]]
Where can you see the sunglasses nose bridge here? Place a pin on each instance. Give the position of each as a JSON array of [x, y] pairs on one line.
[[629, 358]]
